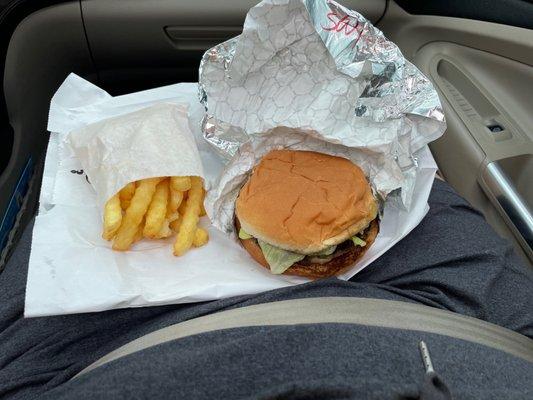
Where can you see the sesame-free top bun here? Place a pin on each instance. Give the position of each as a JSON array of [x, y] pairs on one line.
[[304, 201]]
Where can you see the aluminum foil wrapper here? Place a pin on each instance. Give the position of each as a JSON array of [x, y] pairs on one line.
[[314, 75]]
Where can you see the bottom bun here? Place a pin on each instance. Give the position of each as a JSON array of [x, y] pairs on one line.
[[346, 255]]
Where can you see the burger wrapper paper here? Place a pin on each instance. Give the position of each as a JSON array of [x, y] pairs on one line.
[[73, 270], [313, 75]]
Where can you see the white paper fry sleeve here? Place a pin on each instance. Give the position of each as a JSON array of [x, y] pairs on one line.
[[151, 142], [78, 103]]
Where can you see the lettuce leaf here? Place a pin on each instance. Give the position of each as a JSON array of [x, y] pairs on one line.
[[326, 252], [244, 235], [278, 259], [358, 241]]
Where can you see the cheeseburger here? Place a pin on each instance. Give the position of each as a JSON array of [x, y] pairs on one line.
[[306, 213]]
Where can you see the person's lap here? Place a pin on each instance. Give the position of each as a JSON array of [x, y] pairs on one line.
[[456, 261], [452, 260]]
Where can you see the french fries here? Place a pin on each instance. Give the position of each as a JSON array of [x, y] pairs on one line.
[[173, 217], [202, 210], [181, 208], [191, 216], [175, 225], [201, 237], [157, 211], [112, 217], [164, 231], [157, 208], [181, 183], [174, 201], [125, 195], [139, 234], [135, 213]]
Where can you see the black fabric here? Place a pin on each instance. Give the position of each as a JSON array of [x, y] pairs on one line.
[[507, 12], [452, 260], [434, 388], [326, 361]]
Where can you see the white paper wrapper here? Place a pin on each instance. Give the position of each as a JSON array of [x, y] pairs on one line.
[[77, 104], [73, 270], [151, 142], [332, 81]]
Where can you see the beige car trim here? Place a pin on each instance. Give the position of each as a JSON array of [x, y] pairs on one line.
[[483, 72]]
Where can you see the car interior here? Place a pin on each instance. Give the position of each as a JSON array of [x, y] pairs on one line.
[[482, 69]]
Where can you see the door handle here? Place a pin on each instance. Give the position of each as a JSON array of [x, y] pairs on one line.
[[514, 208]]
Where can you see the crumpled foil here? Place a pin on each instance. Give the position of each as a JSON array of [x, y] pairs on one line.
[[314, 75]]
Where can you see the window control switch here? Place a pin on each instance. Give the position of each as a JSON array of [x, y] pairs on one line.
[[495, 128]]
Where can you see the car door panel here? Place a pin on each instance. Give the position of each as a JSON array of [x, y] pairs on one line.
[[484, 75]]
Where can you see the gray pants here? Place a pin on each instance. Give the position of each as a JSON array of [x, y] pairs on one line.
[[453, 260]]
